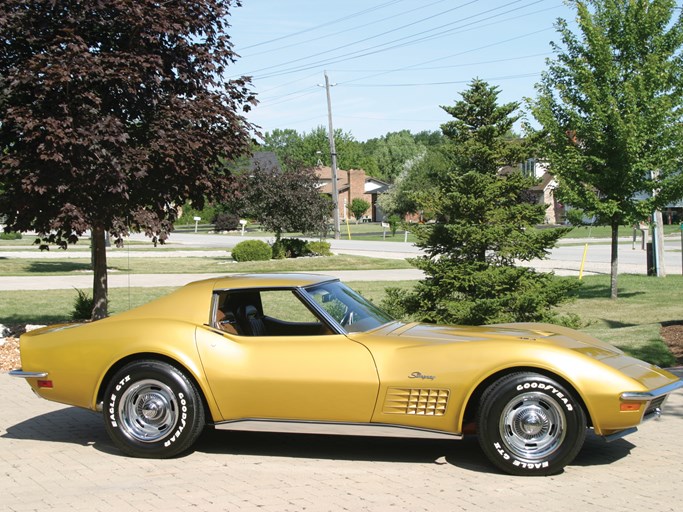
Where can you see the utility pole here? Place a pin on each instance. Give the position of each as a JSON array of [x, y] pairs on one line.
[[658, 239], [333, 153], [658, 236]]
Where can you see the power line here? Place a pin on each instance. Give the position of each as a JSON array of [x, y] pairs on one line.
[[449, 82], [403, 41], [294, 95], [347, 45], [331, 35], [450, 66], [326, 24], [458, 54]]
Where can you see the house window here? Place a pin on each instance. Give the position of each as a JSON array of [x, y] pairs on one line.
[[529, 168]]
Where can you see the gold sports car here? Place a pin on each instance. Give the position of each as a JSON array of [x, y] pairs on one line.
[[306, 353]]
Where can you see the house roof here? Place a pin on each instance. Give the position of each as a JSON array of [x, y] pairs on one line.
[[264, 160], [372, 185], [325, 176], [546, 181]]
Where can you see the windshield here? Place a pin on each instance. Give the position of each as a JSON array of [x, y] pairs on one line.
[[353, 312]]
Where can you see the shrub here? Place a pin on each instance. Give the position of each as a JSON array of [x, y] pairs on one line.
[[290, 248], [252, 250], [189, 213], [358, 207], [83, 306], [12, 235], [394, 221], [226, 222], [319, 248], [278, 250]]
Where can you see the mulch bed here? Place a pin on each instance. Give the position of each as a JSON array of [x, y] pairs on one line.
[[672, 334]]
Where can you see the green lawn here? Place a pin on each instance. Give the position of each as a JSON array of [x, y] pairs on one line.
[[606, 231], [54, 306], [192, 265], [632, 322], [362, 231], [374, 230]]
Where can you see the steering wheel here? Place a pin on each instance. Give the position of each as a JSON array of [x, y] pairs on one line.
[[348, 318]]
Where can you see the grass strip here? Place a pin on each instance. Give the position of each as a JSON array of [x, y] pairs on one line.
[[193, 265]]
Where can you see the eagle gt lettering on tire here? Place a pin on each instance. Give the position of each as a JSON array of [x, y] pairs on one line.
[[528, 424], [151, 409]]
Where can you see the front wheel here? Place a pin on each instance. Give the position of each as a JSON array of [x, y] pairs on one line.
[[152, 410], [528, 424]]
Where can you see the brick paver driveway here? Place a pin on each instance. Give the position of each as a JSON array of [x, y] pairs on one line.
[[54, 457]]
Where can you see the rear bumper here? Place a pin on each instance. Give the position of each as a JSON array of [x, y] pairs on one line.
[[27, 375]]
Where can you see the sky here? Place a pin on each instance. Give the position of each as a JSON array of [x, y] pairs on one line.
[[391, 63]]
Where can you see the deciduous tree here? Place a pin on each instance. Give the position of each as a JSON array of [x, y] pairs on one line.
[[113, 114], [611, 110], [282, 202]]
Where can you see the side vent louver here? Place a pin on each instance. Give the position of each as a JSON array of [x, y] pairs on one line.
[[422, 402]]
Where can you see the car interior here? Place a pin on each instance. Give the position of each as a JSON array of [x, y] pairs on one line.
[[265, 313]]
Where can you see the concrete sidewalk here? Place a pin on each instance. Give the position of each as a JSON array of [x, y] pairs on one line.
[[58, 458]]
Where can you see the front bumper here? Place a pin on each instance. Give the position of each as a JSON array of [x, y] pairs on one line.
[[653, 399]]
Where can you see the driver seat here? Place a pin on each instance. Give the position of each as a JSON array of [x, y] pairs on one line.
[[252, 322]]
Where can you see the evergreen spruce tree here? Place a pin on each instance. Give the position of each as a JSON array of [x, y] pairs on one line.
[[485, 226]]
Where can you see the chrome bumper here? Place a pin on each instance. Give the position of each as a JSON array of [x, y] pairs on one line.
[[654, 399], [27, 375], [640, 396]]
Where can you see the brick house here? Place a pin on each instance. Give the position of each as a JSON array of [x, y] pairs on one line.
[[544, 191], [352, 184]]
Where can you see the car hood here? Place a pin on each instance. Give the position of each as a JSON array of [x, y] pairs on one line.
[[513, 333], [522, 335]]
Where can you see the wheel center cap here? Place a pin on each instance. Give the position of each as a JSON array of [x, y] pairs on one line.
[[152, 409], [532, 424]]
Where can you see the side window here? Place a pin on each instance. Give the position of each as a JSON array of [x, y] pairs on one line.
[[283, 305], [224, 311]]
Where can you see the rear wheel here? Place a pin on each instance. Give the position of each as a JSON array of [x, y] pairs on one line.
[[152, 410], [529, 424]]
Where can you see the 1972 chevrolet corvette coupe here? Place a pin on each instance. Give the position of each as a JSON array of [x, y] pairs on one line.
[[306, 353]]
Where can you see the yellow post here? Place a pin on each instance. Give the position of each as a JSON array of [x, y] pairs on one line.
[[583, 261]]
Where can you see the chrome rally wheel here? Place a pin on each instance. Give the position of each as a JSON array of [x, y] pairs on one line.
[[530, 424], [148, 410], [152, 409]]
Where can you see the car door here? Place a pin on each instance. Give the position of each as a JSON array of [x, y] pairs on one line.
[[298, 370]]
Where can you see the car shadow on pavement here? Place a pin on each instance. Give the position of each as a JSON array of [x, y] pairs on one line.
[[464, 454], [86, 428], [69, 425], [598, 452]]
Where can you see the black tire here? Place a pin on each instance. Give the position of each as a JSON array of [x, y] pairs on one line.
[[152, 410], [528, 424]]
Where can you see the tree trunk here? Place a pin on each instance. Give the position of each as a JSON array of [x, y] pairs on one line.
[[99, 288], [614, 260]]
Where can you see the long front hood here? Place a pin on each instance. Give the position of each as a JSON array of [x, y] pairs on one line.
[[513, 339], [513, 333]]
